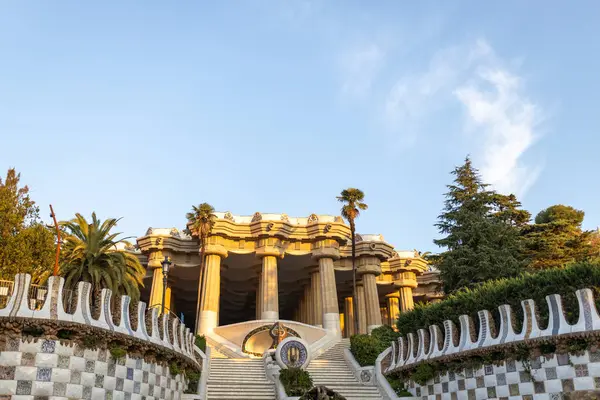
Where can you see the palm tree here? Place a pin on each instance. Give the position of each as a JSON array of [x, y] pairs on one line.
[[201, 221], [353, 199], [90, 254]]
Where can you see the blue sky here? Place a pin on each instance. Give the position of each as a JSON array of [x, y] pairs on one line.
[[141, 109]]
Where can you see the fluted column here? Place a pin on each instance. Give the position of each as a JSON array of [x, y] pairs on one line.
[[349, 316], [393, 308], [326, 251], [270, 289], [361, 312], [371, 302], [157, 288], [208, 315], [308, 303], [258, 296], [155, 259], [406, 299], [315, 284]]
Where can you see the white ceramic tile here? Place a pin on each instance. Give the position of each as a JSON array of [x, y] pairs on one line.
[[61, 375], [10, 358], [8, 387], [41, 388], [25, 373], [47, 360]]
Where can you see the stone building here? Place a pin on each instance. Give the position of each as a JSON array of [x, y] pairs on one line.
[[270, 267]]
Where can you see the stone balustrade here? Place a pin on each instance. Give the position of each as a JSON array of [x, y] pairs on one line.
[[436, 344], [31, 369]]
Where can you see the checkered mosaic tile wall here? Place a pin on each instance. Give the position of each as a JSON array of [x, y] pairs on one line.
[[48, 369], [548, 380]]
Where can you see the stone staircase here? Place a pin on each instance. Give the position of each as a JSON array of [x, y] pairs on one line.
[[238, 379], [330, 369]]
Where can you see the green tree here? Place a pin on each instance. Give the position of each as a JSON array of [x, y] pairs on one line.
[[482, 232], [557, 238], [26, 245], [353, 200], [200, 222], [90, 254]]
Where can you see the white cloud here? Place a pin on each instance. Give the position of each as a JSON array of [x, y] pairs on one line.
[[507, 121], [499, 115], [360, 67]]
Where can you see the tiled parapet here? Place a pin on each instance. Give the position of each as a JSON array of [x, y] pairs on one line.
[[452, 341], [50, 369], [167, 340], [540, 379]]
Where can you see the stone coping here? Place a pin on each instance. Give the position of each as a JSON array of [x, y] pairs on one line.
[[52, 313], [435, 345]]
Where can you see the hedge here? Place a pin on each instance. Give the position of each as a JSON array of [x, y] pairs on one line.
[[366, 348], [491, 294]]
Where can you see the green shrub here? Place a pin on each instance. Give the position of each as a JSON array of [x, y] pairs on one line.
[[174, 369], [397, 386], [296, 381], [200, 341], [490, 295], [193, 378], [385, 334], [423, 373], [117, 352], [366, 348]]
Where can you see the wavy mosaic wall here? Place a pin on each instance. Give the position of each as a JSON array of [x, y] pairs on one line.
[[25, 368], [541, 378]]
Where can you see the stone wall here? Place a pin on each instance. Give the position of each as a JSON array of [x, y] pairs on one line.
[[49, 352], [539, 377]]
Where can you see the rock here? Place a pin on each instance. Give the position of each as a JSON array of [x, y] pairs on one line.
[[322, 393]]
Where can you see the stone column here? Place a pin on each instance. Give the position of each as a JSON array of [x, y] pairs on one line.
[[326, 251], [393, 308], [362, 312], [208, 317], [385, 318], [371, 302], [155, 259], [349, 314], [270, 289], [406, 299], [157, 288], [315, 284], [258, 297], [308, 304]]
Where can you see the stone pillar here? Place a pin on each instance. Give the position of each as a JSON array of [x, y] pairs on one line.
[[308, 304], [371, 302], [326, 251], [157, 288], [385, 318], [315, 284], [270, 289], [169, 299], [349, 314], [361, 312], [342, 323], [258, 296], [393, 308], [406, 299], [208, 315]]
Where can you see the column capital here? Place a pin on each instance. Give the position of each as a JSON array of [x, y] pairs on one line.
[[156, 257], [216, 249], [368, 265], [274, 251], [326, 248]]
